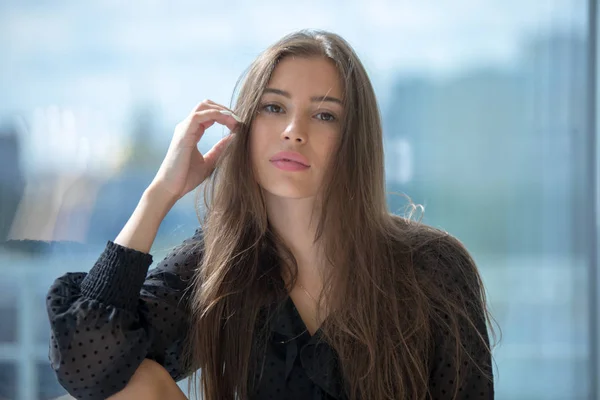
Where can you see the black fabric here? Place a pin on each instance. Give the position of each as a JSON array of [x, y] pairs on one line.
[[101, 333]]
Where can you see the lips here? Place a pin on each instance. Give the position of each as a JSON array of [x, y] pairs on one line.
[[291, 156]]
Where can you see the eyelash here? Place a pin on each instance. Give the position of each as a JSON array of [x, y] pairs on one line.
[[264, 107]]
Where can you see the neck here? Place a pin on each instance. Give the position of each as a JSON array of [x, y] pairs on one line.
[[295, 222]]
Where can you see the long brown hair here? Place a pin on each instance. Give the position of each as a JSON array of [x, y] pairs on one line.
[[386, 268]]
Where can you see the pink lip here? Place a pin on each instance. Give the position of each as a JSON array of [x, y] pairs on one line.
[[292, 161], [289, 165]]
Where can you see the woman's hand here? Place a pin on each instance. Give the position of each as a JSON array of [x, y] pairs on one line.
[[150, 381], [184, 167]]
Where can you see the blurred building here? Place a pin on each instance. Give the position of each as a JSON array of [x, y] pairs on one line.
[[499, 156]]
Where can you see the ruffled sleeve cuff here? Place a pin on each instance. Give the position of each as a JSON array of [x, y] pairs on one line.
[[117, 277]]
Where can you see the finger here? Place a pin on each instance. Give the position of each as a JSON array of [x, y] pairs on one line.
[[207, 104], [212, 115], [227, 112], [206, 125], [213, 155]]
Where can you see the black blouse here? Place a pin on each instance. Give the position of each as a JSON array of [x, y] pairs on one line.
[[105, 322]]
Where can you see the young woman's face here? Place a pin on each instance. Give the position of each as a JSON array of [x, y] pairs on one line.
[[299, 113]]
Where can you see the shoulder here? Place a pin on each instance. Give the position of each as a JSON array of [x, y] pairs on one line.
[[433, 248], [194, 243], [182, 259], [448, 277], [441, 262], [430, 248], [178, 258], [196, 240]]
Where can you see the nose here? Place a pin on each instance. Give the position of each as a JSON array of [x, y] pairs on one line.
[[295, 131]]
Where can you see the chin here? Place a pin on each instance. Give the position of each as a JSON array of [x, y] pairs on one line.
[[287, 191]]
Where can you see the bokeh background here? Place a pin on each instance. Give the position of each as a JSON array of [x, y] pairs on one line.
[[489, 116]]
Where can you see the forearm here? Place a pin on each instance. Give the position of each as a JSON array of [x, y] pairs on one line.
[[140, 230]]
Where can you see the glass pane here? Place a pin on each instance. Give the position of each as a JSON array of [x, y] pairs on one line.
[[8, 380], [483, 104], [8, 310], [40, 323], [496, 153], [8, 329], [48, 386]]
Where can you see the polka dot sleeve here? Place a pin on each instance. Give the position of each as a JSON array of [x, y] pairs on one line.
[[105, 322], [453, 376]]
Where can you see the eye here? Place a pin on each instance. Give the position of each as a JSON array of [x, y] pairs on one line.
[[326, 117], [272, 108]]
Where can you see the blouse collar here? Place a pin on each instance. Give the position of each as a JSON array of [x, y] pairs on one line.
[[318, 358]]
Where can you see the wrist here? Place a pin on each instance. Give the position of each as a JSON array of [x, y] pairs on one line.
[[159, 198]]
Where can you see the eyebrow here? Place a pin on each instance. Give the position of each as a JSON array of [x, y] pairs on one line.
[[313, 99]]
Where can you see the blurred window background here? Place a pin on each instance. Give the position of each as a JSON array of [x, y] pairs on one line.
[[488, 110]]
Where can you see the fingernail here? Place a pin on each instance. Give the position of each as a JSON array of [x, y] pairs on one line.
[[227, 112]]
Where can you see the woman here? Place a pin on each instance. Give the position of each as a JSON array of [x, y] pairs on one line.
[[300, 284]]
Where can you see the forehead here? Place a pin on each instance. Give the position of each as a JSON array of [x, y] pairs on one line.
[[310, 75]]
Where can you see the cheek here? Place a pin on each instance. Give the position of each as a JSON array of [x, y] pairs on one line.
[[261, 134], [327, 148]]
